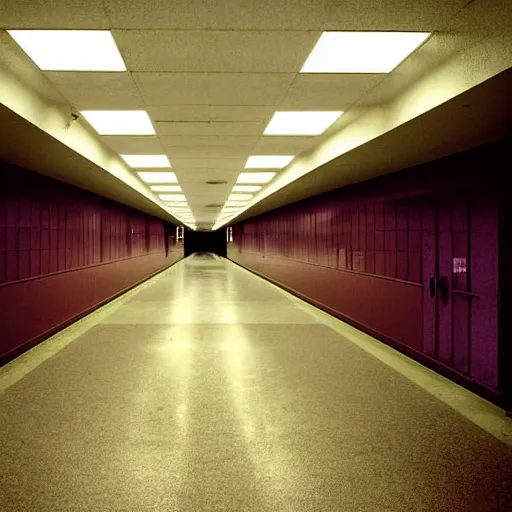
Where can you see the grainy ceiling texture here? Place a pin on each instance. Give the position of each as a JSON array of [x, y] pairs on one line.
[[211, 74]]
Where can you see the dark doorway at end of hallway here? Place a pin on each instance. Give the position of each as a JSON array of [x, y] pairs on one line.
[[205, 241]]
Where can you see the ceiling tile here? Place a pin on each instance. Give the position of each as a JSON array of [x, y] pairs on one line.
[[209, 163], [276, 145], [191, 187], [97, 91], [202, 141], [215, 51], [202, 176], [228, 14], [53, 14], [207, 152], [213, 88], [401, 15], [213, 128], [133, 144], [228, 113], [328, 92], [210, 120]]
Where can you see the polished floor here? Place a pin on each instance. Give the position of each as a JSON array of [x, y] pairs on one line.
[[211, 390]]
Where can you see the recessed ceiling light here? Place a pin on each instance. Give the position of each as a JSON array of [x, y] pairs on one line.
[[246, 188], [172, 197], [268, 161], [361, 52], [70, 50], [165, 188], [255, 177], [301, 123], [157, 177], [240, 197], [141, 161], [119, 122]]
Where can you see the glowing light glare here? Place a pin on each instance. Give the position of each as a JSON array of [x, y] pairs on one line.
[[141, 161], [255, 177], [119, 122], [268, 161], [236, 203], [240, 197], [165, 188], [70, 50], [172, 197], [301, 123], [246, 188], [361, 52], [157, 177]]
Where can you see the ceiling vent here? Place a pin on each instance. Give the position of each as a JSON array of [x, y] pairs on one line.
[[213, 205], [216, 182]]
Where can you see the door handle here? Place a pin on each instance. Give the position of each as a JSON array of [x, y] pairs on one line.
[[444, 288], [432, 286]]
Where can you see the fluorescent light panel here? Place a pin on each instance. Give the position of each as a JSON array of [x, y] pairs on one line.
[[141, 161], [235, 203], [246, 188], [172, 197], [70, 50], [157, 177], [240, 197], [301, 123], [268, 161], [255, 177], [165, 188], [361, 52], [119, 122]]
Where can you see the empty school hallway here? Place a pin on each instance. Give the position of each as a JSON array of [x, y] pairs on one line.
[[208, 388]]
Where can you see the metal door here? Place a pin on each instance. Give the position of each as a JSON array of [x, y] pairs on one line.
[[448, 297]]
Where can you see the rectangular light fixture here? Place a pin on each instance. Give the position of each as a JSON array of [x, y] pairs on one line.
[[119, 122], [268, 161], [361, 52], [165, 188], [301, 123], [172, 197], [240, 197], [157, 177], [146, 161], [255, 177], [246, 188], [70, 50]]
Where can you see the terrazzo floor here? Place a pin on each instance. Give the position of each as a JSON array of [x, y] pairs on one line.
[[210, 390]]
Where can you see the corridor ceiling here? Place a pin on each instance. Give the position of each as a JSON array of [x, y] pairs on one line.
[[211, 75]]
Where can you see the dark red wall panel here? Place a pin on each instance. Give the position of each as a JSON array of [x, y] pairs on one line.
[[64, 251], [386, 307], [370, 253], [34, 307]]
